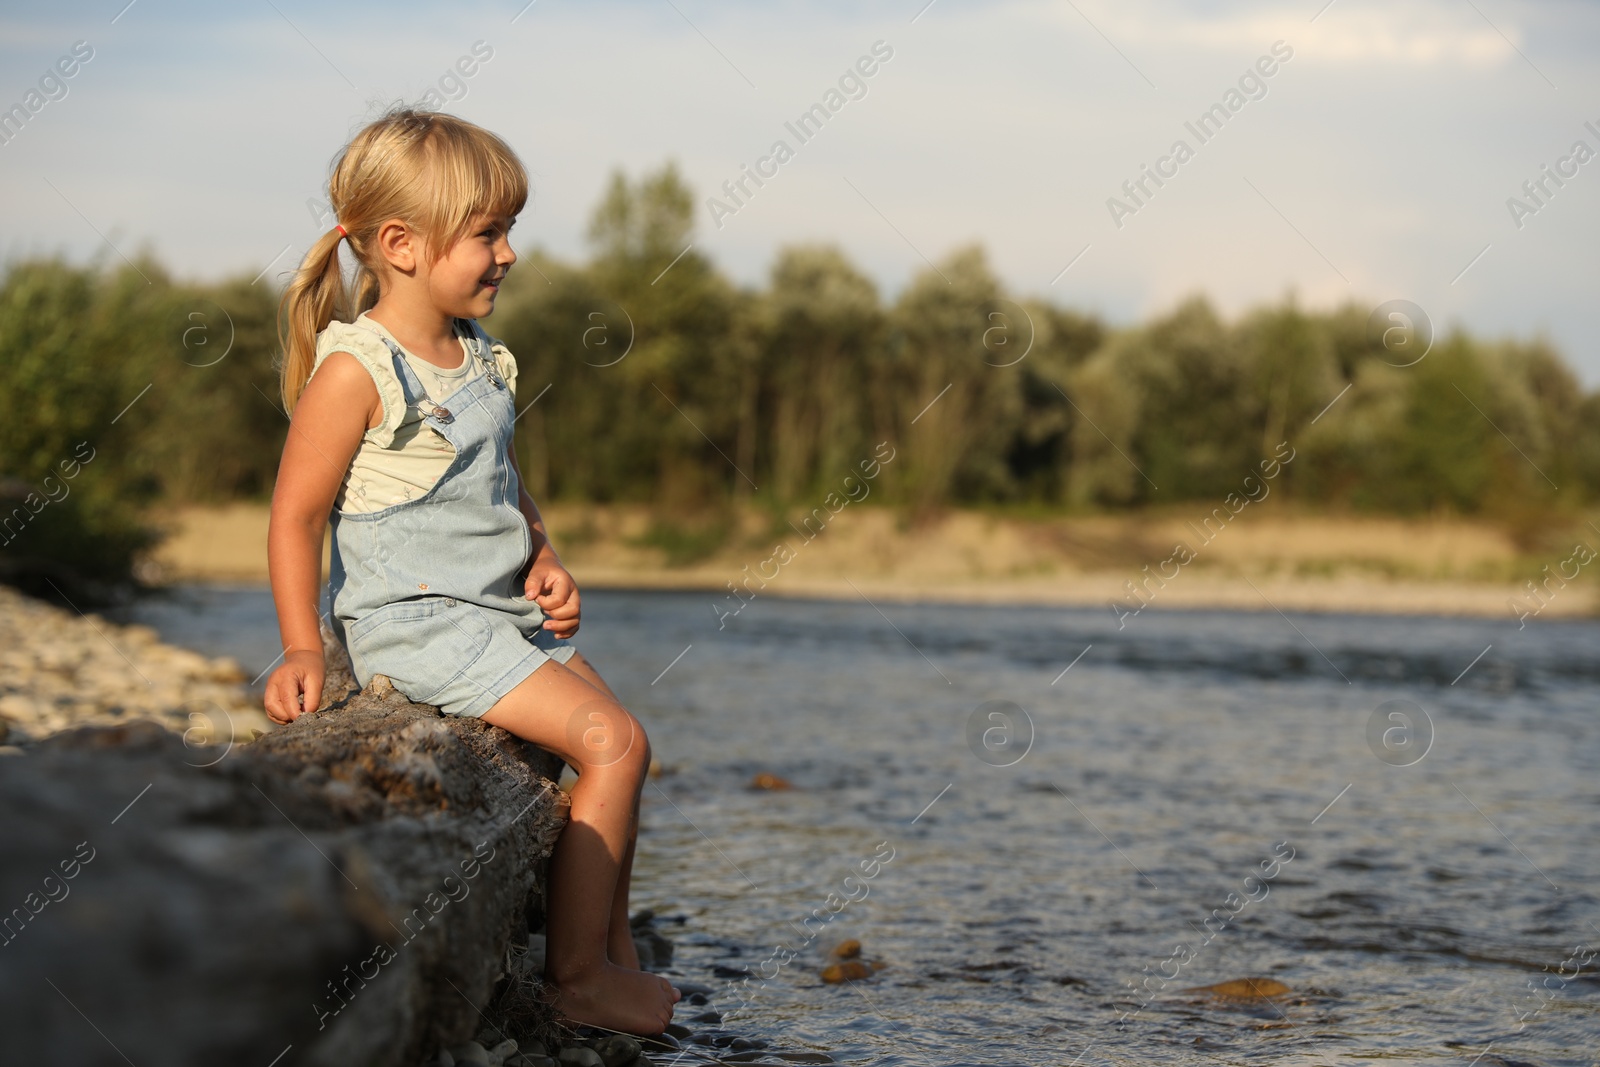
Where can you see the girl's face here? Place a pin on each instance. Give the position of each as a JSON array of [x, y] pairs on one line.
[[465, 281]]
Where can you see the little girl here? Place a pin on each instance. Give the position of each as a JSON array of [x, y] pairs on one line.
[[443, 577]]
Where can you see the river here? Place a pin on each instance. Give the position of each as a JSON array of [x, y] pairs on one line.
[[1052, 828]]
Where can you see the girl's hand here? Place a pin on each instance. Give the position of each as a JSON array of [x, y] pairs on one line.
[[295, 687], [552, 588]]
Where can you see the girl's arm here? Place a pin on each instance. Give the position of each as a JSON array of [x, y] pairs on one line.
[[339, 404], [548, 582]]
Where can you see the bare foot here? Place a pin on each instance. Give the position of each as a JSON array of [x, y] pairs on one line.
[[618, 998]]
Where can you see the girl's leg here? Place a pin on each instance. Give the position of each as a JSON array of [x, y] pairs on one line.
[[557, 709], [619, 942]]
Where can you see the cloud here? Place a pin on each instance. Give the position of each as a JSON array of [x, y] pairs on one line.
[[1345, 34]]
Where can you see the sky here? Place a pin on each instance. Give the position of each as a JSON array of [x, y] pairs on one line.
[[1378, 161]]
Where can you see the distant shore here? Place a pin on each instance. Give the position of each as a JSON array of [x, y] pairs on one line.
[[1268, 561]]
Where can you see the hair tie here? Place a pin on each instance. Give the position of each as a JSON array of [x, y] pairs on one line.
[[342, 231]]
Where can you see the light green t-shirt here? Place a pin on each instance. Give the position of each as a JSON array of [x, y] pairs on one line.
[[402, 457]]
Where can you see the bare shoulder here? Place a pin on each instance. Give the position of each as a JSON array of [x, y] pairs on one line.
[[341, 385]]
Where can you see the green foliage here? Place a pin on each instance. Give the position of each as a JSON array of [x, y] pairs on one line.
[[646, 376], [128, 392]]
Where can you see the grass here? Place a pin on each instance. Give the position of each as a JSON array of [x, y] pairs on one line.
[[684, 544]]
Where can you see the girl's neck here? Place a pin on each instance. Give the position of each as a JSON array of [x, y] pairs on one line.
[[426, 334]]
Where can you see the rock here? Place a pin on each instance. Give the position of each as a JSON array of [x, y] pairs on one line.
[[771, 782], [239, 903], [618, 1050], [471, 1052], [578, 1056], [522, 1059], [847, 971], [847, 965], [444, 1059], [1243, 989], [503, 1050], [489, 1037], [63, 670], [689, 989]]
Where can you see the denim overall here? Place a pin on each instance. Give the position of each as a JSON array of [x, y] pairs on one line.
[[430, 591]]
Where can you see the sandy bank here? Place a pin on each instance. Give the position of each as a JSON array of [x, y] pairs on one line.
[[1267, 561]]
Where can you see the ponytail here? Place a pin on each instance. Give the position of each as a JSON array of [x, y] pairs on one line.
[[308, 305]]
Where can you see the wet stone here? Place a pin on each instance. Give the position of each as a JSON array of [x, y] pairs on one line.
[[618, 1050], [578, 1056]]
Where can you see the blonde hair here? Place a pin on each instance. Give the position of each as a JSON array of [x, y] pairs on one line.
[[436, 172]]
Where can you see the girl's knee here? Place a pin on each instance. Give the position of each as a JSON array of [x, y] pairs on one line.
[[606, 735]]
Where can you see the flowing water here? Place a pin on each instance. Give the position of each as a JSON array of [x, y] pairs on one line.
[[1393, 817]]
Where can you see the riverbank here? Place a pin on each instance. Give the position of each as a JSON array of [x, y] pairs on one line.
[[63, 670], [1266, 561]]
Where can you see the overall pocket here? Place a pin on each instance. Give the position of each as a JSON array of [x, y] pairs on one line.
[[422, 645]]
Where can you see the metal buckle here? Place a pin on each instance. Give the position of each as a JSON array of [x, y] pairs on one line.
[[442, 414]]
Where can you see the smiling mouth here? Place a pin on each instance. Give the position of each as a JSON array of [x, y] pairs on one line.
[[492, 283]]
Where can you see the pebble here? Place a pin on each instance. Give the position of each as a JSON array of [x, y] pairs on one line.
[[848, 971], [769, 781], [618, 1050], [522, 1059], [1244, 989], [60, 670], [471, 1052], [504, 1050], [577, 1056]]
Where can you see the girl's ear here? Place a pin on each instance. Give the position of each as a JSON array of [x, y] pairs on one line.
[[400, 245]]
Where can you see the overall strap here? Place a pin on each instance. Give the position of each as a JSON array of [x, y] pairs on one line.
[[411, 385], [480, 349]]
